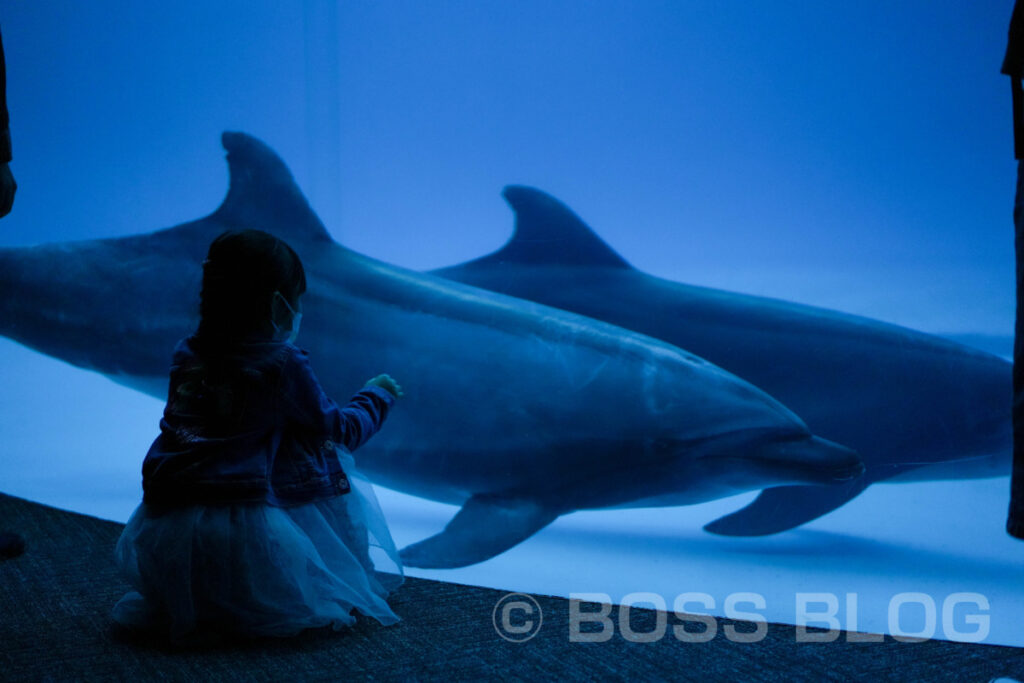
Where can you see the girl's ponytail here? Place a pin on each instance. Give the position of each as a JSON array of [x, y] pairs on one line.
[[240, 275]]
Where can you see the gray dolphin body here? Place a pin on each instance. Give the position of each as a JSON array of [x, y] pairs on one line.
[[913, 405], [516, 411]]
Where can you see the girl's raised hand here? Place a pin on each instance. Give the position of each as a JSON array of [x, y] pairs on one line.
[[386, 383]]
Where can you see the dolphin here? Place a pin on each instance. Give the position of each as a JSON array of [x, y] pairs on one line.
[[913, 405], [516, 411]]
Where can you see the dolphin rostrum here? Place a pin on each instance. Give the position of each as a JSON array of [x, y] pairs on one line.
[[515, 411], [901, 398]]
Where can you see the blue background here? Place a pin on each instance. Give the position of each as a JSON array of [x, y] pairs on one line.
[[856, 155]]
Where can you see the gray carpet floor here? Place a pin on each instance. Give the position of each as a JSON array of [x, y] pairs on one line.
[[55, 625]]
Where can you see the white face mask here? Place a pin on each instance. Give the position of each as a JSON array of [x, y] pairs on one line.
[[293, 331]]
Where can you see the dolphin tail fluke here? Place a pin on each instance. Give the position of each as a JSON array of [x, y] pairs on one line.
[[487, 525], [785, 507]]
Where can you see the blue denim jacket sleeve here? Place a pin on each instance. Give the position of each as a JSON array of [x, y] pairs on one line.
[[307, 406]]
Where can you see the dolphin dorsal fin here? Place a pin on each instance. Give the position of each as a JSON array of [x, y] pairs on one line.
[[263, 195], [548, 232]]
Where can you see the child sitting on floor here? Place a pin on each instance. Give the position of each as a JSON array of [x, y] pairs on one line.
[[254, 520]]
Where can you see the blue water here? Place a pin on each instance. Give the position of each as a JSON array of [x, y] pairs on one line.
[[855, 157]]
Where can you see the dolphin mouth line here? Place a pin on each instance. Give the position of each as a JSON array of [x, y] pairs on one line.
[[834, 463], [827, 473], [834, 473]]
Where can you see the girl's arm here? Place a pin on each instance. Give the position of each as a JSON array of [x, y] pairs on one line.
[[308, 405]]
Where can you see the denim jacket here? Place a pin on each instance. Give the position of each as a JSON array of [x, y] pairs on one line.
[[259, 429]]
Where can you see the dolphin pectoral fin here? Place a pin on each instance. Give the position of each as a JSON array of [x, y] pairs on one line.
[[785, 507], [487, 525]]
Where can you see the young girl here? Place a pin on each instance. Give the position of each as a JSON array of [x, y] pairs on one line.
[[254, 521]]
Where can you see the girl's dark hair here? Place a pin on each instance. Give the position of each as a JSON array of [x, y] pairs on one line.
[[240, 275], [242, 271]]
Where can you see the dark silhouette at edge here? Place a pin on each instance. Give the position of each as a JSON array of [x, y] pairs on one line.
[[1013, 66]]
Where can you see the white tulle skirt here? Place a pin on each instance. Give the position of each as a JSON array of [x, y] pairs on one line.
[[203, 571]]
